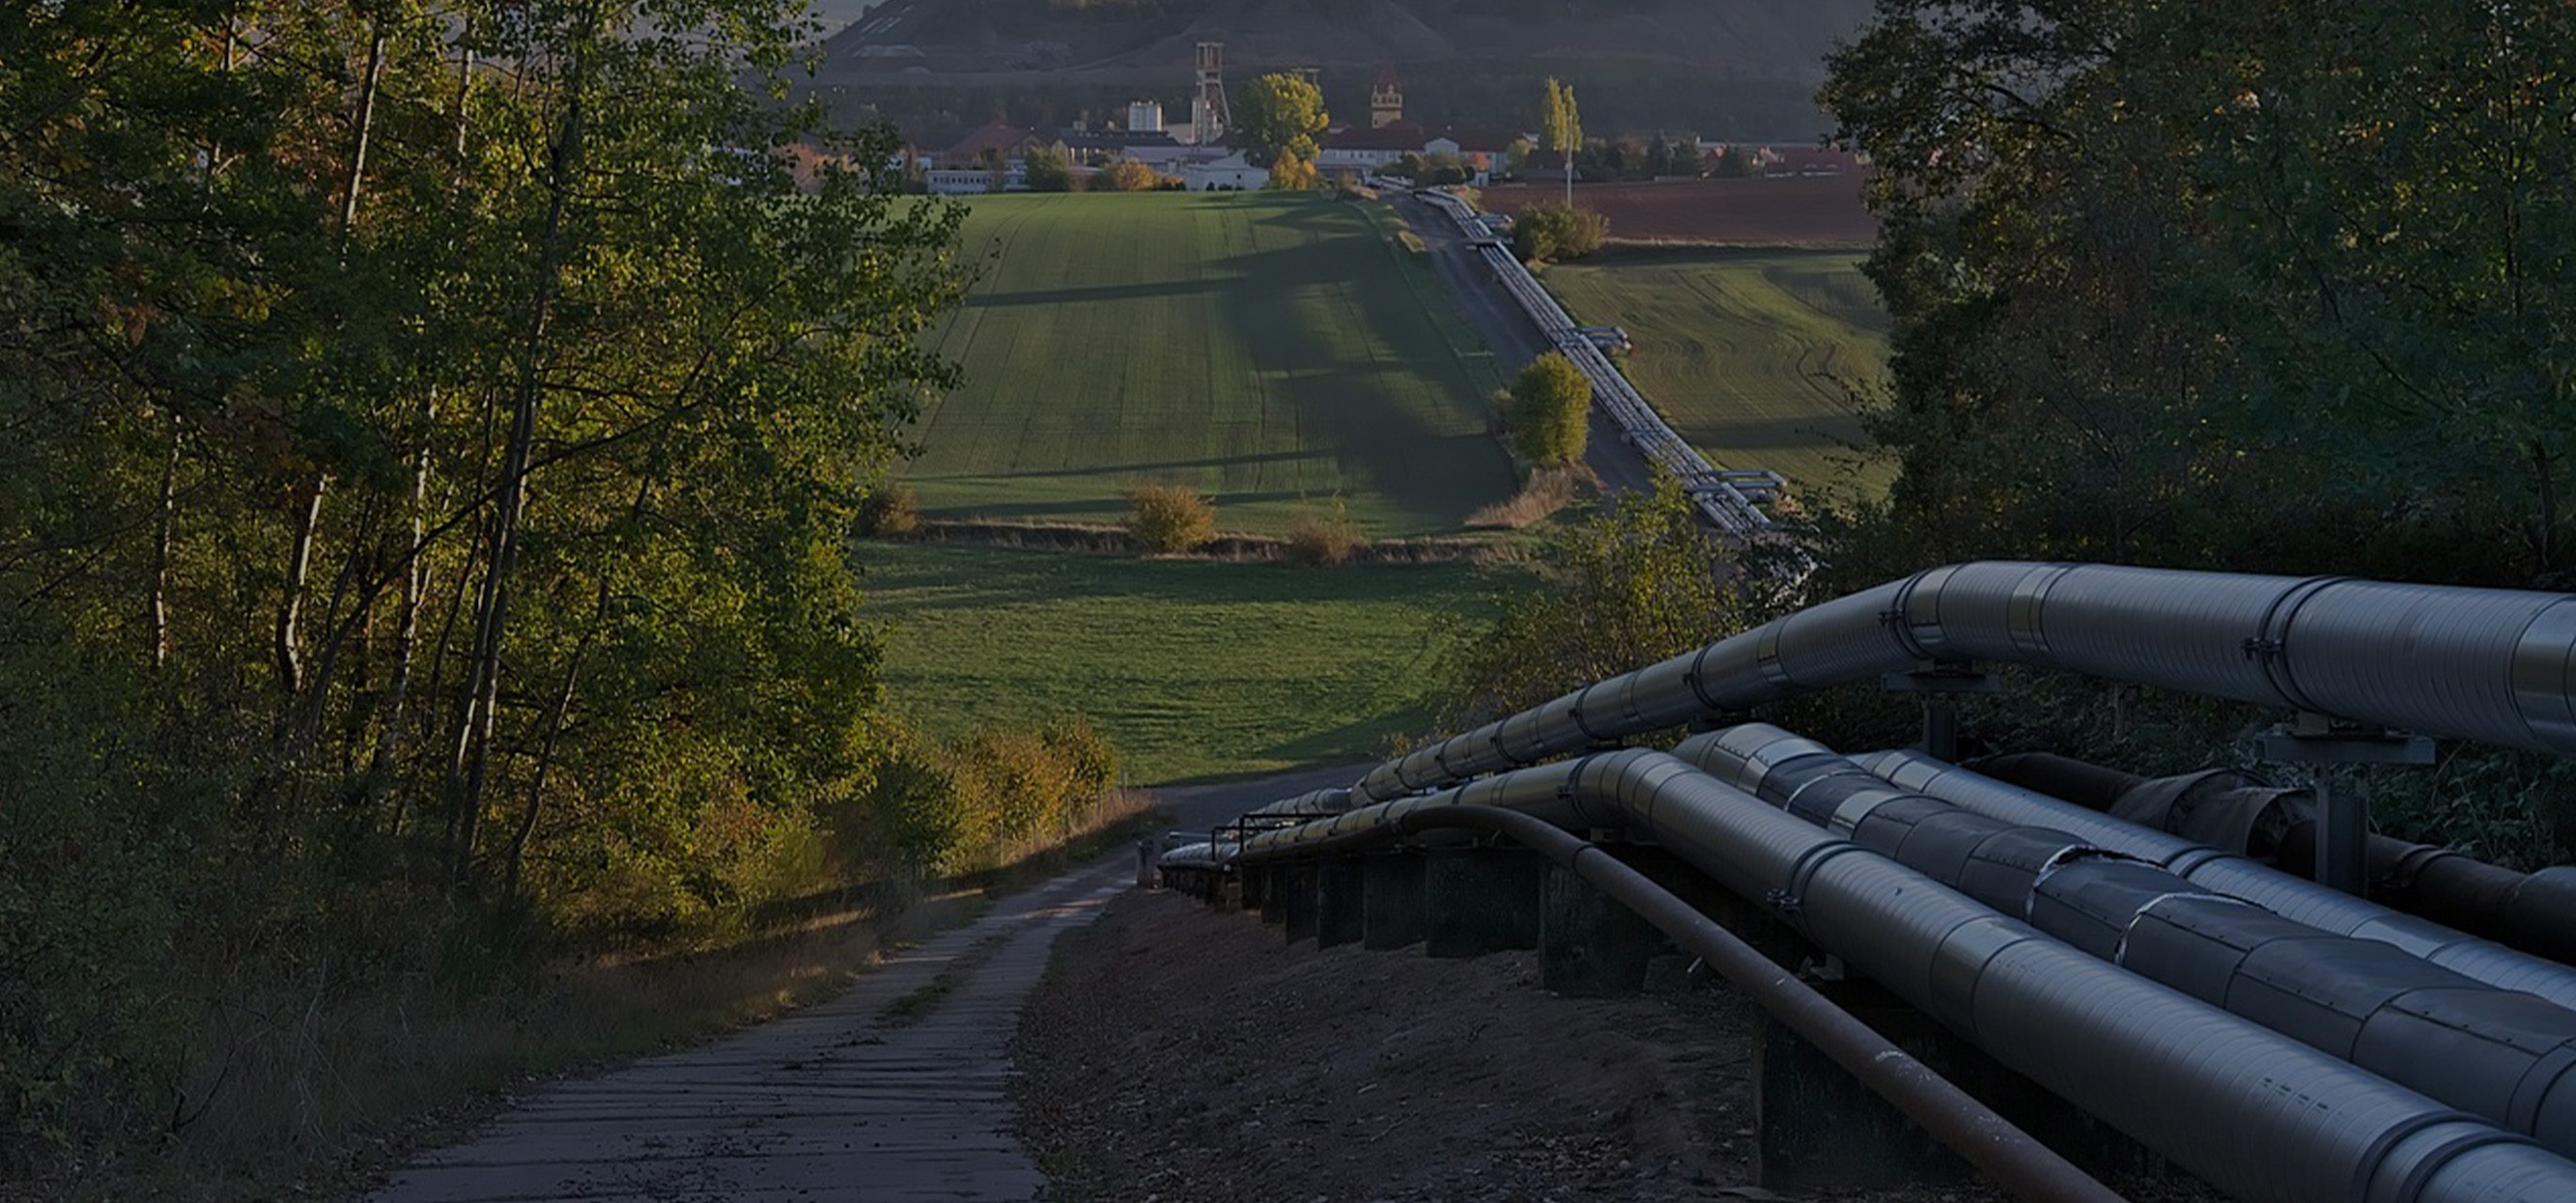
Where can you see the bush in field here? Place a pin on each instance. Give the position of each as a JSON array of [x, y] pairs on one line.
[[889, 510], [1125, 175], [1326, 537], [1169, 519], [1557, 232], [1549, 411]]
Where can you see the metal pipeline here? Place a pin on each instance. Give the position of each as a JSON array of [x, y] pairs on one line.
[[2235, 876], [2535, 912], [2248, 1110], [2501, 1054], [2485, 664], [1986, 1140]]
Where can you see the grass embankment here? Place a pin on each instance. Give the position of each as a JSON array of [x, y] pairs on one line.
[[1267, 350], [1194, 669], [1746, 352], [324, 1087]]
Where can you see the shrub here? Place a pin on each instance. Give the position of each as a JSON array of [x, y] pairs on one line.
[[1125, 175], [1557, 232], [1549, 411], [889, 510], [1169, 519], [1288, 173], [1325, 537]]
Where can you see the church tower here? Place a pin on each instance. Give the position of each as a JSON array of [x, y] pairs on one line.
[[1386, 101]]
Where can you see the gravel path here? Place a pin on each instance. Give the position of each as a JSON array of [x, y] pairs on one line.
[[893, 1091], [1175, 1053]]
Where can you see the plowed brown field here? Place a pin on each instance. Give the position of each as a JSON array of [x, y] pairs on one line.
[[1794, 210]]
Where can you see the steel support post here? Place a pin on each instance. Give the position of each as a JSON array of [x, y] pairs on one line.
[[2343, 816]]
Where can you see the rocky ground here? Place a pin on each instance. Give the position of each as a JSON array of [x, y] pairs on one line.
[[1174, 1053]]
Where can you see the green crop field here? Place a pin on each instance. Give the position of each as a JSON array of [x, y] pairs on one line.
[[1745, 352], [1194, 668], [1268, 350]]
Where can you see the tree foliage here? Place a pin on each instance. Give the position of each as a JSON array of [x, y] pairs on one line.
[[1288, 173], [1638, 583], [1560, 121], [2269, 286], [433, 432], [1047, 171], [1550, 411], [1555, 232], [1126, 175], [1278, 114], [1169, 519]]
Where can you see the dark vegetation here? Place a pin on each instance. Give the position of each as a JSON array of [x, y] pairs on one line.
[[1551, 231], [430, 437], [1549, 411], [2265, 288]]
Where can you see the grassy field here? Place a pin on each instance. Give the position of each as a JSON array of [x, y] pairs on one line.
[[1268, 350], [1193, 668], [1745, 351]]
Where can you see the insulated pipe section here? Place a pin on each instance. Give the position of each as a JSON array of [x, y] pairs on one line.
[[2250, 1111], [1987, 1140], [2290, 897], [2501, 1054], [2486, 664], [2535, 912]]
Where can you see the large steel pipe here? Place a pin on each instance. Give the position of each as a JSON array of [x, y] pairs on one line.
[[2502, 1054], [2235, 876], [2251, 1111], [2486, 664], [2535, 912]]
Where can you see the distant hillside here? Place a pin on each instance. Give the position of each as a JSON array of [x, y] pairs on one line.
[[985, 36], [1731, 68]]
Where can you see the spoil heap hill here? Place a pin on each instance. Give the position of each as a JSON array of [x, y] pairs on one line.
[[1153, 38]]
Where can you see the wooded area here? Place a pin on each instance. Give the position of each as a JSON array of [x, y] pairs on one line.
[[2276, 286], [429, 435]]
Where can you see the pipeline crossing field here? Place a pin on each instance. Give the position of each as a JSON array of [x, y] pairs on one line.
[[1745, 352], [1263, 348]]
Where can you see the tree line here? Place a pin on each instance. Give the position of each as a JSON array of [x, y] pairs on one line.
[[429, 436]]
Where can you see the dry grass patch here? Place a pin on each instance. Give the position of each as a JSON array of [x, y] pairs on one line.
[[1549, 490]]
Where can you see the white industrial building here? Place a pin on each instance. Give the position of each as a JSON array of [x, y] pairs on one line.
[[1228, 173]]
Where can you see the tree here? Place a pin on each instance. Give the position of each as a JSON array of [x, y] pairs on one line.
[[1557, 232], [1561, 124], [1550, 411], [1638, 583], [1278, 113], [1735, 163], [434, 433], [1046, 171], [2253, 287]]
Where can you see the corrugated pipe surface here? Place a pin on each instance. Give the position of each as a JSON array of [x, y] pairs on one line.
[[2486, 664], [2226, 873], [2499, 1053], [2249, 1110], [2535, 912]]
